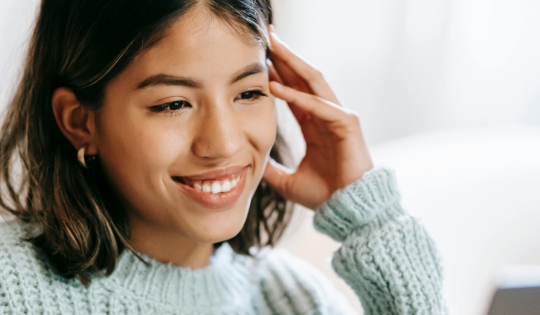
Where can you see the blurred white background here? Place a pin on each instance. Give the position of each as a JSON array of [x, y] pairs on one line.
[[448, 95]]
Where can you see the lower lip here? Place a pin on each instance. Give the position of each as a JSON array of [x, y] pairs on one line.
[[216, 201]]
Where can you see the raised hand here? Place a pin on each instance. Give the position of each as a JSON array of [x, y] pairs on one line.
[[336, 152]]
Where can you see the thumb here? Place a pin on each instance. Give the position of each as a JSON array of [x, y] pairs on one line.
[[278, 176]]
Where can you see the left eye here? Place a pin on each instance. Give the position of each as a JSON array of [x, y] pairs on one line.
[[251, 95]]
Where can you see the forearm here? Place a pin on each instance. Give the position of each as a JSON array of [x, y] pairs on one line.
[[387, 256]]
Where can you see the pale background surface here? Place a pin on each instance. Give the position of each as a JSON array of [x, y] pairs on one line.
[[447, 91], [476, 191]]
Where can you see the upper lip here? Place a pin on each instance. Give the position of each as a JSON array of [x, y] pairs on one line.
[[216, 174]]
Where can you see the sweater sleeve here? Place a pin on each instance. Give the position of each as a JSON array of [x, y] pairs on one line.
[[386, 256]]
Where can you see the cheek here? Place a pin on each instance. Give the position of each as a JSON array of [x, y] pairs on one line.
[[136, 152], [262, 134], [262, 130]]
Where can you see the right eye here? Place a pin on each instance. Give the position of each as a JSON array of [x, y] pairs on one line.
[[171, 108]]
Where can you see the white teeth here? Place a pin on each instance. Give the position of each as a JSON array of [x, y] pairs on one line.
[[206, 188], [216, 187], [225, 186]]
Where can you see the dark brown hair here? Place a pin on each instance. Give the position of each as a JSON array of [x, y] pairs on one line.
[[83, 45]]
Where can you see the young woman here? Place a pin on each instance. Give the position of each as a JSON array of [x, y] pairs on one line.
[[142, 170]]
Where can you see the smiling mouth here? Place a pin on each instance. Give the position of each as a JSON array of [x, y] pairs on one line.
[[214, 194], [225, 184]]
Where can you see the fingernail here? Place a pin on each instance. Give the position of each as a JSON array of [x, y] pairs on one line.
[[272, 28]]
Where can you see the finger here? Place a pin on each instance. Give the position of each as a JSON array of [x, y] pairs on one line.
[[273, 75], [313, 77], [299, 114], [277, 176], [318, 107], [291, 78]]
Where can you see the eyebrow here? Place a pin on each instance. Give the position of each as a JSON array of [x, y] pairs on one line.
[[167, 79]]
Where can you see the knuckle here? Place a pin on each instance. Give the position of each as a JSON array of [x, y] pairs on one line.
[[294, 97], [316, 75], [315, 98], [353, 117]]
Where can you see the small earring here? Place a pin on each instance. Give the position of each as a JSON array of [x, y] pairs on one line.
[[81, 157]]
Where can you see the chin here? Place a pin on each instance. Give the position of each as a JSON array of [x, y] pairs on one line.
[[219, 229], [217, 236]]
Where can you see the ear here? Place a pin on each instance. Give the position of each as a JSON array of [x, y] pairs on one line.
[[76, 122]]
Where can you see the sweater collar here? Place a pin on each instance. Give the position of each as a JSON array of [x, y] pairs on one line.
[[226, 280]]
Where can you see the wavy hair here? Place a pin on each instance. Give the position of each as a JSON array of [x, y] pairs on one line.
[[83, 45]]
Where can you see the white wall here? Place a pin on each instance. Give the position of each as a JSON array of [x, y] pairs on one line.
[[16, 17], [417, 65]]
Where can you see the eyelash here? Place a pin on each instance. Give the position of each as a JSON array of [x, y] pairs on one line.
[[165, 108]]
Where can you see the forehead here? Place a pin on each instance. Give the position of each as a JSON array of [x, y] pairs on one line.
[[200, 45]]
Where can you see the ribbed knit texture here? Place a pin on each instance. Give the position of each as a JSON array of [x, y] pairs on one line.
[[386, 257]]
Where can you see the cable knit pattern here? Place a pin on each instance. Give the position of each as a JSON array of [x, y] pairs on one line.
[[386, 257]]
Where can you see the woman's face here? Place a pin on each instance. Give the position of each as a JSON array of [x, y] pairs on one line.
[[202, 71]]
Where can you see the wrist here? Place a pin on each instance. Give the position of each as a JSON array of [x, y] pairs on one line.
[[371, 199]]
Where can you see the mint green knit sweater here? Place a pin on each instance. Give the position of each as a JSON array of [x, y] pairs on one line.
[[386, 257]]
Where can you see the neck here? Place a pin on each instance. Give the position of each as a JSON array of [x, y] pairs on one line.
[[168, 246]]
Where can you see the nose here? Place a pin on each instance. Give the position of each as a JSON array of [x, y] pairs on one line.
[[219, 135]]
